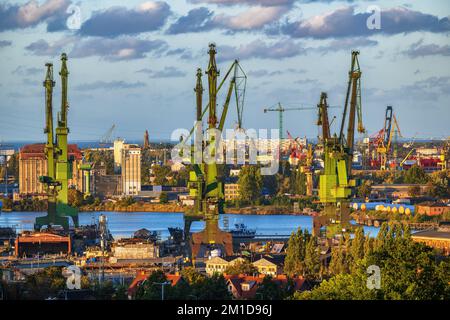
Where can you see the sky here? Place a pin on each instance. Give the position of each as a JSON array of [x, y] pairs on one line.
[[133, 63]]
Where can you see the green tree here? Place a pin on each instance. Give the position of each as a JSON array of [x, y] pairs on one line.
[[270, 290], [357, 246], [250, 184], [416, 175], [312, 258], [75, 198], [241, 267], [163, 197]]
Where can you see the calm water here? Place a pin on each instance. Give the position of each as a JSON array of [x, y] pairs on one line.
[[124, 224]]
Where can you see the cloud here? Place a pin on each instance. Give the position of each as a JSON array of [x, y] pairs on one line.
[[5, 43], [203, 19], [125, 48], [167, 72], [198, 19], [268, 3], [115, 21], [344, 22], [346, 44], [418, 49], [24, 71], [253, 18], [259, 49], [110, 85], [43, 48], [30, 14], [263, 72]]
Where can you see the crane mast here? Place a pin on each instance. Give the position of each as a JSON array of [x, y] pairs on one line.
[[205, 183], [335, 183], [59, 167]]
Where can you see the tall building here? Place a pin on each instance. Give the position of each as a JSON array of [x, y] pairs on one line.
[[146, 140], [33, 163], [131, 169], [118, 146]]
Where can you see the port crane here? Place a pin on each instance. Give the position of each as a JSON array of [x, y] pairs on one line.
[[384, 138], [336, 185], [205, 183], [59, 166]]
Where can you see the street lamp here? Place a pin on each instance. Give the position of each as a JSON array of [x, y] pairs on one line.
[[162, 284]]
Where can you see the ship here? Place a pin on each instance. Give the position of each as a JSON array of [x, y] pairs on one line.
[[241, 231]]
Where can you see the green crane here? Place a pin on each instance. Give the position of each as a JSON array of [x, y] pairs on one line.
[[205, 183], [56, 150], [335, 183]]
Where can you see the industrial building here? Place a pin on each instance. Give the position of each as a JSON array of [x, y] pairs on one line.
[[127, 163], [33, 163]]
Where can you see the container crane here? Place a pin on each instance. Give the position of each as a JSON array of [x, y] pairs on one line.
[[335, 183]]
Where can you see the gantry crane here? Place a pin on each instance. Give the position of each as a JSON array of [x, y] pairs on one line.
[[336, 185], [59, 166], [384, 139], [205, 184]]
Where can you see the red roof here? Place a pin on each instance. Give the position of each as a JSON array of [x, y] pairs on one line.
[[143, 275], [36, 150], [238, 281]]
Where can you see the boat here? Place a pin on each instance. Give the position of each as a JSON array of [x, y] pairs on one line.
[[242, 232]]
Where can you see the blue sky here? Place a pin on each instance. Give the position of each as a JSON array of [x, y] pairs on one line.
[[133, 63]]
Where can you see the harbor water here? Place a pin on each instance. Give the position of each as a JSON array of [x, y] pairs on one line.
[[124, 224]]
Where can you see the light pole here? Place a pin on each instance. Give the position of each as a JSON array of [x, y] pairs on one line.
[[162, 284]]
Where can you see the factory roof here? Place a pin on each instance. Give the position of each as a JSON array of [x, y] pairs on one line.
[[37, 150]]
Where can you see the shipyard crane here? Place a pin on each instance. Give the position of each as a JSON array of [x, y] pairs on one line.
[[59, 166], [384, 139], [107, 139], [238, 83], [205, 184], [336, 185]]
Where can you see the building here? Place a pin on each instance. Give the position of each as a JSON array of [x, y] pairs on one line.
[[231, 191], [30, 244], [397, 190], [432, 208], [118, 146], [270, 265], [143, 275], [245, 287], [33, 163], [134, 249], [131, 170], [438, 239], [219, 265]]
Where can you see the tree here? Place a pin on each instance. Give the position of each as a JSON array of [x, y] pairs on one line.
[[270, 290], [75, 198], [364, 190], [161, 173], [357, 246], [250, 184], [312, 258], [163, 197], [416, 175], [241, 267], [150, 289], [295, 254], [414, 191]]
